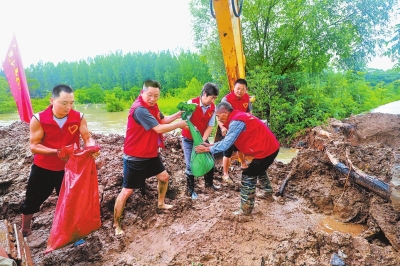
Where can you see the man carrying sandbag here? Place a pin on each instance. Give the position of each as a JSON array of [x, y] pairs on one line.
[[252, 137], [203, 118]]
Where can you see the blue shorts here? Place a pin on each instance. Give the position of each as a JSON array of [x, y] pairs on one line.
[[136, 171], [41, 184]]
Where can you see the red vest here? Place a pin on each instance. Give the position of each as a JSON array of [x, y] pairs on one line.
[[257, 140], [238, 104], [199, 120], [56, 137], [140, 142]]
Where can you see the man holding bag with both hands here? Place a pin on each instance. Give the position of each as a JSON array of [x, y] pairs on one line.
[[252, 137]]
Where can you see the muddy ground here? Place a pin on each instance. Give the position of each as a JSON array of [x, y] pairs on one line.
[[287, 230]]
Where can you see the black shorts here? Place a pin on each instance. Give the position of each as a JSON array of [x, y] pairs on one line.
[[137, 171], [228, 152], [259, 166], [41, 184]]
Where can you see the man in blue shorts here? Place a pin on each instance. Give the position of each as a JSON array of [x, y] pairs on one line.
[[143, 139]]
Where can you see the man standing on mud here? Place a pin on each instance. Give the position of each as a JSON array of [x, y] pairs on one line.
[[252, 137], [55, 127], [142, 141], [203, 118], [240, 100]]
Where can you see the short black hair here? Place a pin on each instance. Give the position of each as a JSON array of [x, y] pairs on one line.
[[151, 83], [224, 106], [210, 89], [241, 81], [59, 88]]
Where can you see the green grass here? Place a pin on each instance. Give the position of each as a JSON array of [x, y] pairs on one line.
[[168, 105]]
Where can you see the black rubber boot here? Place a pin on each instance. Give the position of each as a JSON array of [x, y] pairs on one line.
[[209, 180], [190, 186]]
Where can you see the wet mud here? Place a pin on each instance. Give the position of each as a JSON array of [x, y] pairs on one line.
[[322, 217]]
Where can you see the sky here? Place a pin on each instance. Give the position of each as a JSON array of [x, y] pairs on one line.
[[57, 30], [54, 30]]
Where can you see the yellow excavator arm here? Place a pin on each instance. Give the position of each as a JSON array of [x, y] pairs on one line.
[[227, 15]]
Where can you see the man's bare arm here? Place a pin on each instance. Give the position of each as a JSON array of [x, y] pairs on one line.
[[207, 132], [36, 135], [86, 136], [171, 118], [163, 128]]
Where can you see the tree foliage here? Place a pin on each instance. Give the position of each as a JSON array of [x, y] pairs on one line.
[[118, 70], [304, 59]]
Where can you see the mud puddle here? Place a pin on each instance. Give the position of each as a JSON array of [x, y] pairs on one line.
[[330, 224]]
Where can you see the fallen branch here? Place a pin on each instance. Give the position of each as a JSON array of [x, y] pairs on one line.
[[291, 173], [359, 177]]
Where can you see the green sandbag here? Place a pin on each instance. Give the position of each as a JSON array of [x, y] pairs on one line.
[[200, 163], [188, 109]]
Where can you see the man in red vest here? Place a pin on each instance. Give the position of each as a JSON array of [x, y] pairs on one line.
[[252, 137], [55, 127], [203, 118], [240, 100], [143, 139]]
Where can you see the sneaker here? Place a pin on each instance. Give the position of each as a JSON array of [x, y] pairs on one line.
[[214, 187], [240, 212], [227, 179]]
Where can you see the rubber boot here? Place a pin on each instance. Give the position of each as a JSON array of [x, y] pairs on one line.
[[209, 180], [265, 183], [190, 186], [247, 194]]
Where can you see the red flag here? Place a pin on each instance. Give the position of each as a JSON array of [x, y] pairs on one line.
[[15, 75]]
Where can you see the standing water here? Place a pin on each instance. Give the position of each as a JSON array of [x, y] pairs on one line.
[[390, 108]]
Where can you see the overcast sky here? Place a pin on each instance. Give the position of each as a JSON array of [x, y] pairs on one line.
[[54, 30]]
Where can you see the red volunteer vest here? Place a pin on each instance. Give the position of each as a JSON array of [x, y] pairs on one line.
[[238, 104], [56, 137], [257, 140], [199, 120], [138, 141]]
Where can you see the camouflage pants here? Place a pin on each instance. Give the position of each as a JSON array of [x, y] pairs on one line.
[[248, 190]]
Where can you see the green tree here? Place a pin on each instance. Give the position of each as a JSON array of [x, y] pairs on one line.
[[7, 102], [299, 35], [113, 104]]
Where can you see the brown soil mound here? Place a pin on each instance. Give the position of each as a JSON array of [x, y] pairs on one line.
[[285, 230]]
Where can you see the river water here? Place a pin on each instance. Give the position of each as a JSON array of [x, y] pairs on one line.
[[103, 122], [390, 108]]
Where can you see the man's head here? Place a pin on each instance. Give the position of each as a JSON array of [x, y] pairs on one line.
[[209, 93], [223, 110], [240, 87], [62, 99], [151, 92]]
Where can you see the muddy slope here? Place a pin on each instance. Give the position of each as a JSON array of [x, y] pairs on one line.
[[282, 230]]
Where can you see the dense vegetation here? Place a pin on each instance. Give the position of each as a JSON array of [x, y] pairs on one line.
[[305, 62]]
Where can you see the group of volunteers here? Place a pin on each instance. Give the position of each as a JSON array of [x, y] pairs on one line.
[[60, 125]]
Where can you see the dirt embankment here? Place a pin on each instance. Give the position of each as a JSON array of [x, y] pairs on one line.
[[286, 230]]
